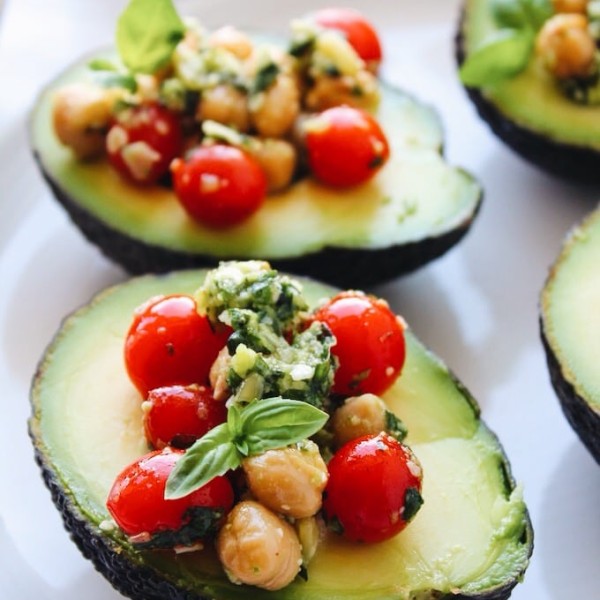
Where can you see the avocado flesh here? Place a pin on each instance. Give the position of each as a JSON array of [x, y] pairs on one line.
[[571, 329], [472, 535], [415, 197], [529, 112]]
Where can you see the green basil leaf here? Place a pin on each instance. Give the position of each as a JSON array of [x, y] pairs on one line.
[[147, 33], [537, 12], [102, 64], [277, 422], [503, 55], [213, 454]]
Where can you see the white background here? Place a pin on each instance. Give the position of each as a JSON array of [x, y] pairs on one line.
[[477, 307]]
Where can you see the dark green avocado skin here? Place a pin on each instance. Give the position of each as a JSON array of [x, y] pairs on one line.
[[567, 161], [581, 416], [343, 267]]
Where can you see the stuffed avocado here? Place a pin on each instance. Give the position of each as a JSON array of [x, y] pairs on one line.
[[532, 70], [462, 530], [376, 197], [570, 329]]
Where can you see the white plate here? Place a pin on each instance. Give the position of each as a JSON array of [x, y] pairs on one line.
[[476, 307]]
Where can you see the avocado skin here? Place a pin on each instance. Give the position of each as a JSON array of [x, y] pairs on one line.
[[567, 161], [343, 267], [581, 416]]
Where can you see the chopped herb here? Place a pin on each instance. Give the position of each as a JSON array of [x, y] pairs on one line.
[[394, 426], [265, 77], [412, 503], [376, 162]]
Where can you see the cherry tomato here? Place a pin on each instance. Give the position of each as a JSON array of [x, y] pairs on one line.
[[219, 185], [374, 488], [359, 32], [370, 344], [136, 500], [170, 343], [143, 141], [178, 415], [345, 146]]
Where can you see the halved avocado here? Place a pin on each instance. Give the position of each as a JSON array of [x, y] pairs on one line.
[[570, 329], [529, 112], [471, 539], [415, 209]]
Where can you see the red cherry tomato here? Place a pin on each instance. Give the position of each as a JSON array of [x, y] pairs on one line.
[[345, 146], [178, 415], [143, 141], [136, 500], [359, 32], [370, 344], [374, 488], [219, 185], [170, 343]]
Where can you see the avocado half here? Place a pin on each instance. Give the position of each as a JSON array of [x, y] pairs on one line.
[[570, 329], [471, 539], [415, 209], [528, 112]]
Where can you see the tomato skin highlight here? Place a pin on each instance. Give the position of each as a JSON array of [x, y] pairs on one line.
[[150, 124], [345, 145], [178, 415], [136, 500], [219, 186], [169, 343], [366, 493], [370, 346], [359, 32]]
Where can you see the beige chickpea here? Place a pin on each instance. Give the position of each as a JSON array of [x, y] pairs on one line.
[[359, 415], [278, 160], [359, 91], [224, 104], [566, 46], [274, 110], [218, 375], [81, 115], [570, 6], [288, 480], [233, 40], [257, 547]]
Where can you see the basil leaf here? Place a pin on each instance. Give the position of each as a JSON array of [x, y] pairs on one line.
[[147, 33], [520, 14], [277, 422], [213, 454], [537, 12], [102, 64], [501, 56]]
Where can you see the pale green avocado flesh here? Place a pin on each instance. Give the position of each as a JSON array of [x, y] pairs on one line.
[[415, 196], [471, 536], [571, 311], [531, 99]]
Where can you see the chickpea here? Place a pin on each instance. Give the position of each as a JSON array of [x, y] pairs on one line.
[[570, 6], [257, 547], [359, 91], [288, 480], [359, 415], [218, 375], [274, 110], [233, 40], [81, 115], [278, 159], [566, 46], [224, 104]]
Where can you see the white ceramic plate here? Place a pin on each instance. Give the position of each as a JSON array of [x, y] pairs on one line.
[[476, 307]]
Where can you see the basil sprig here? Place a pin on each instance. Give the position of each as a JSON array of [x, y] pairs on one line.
[[506, 52], [260, 426], [147, 33]]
